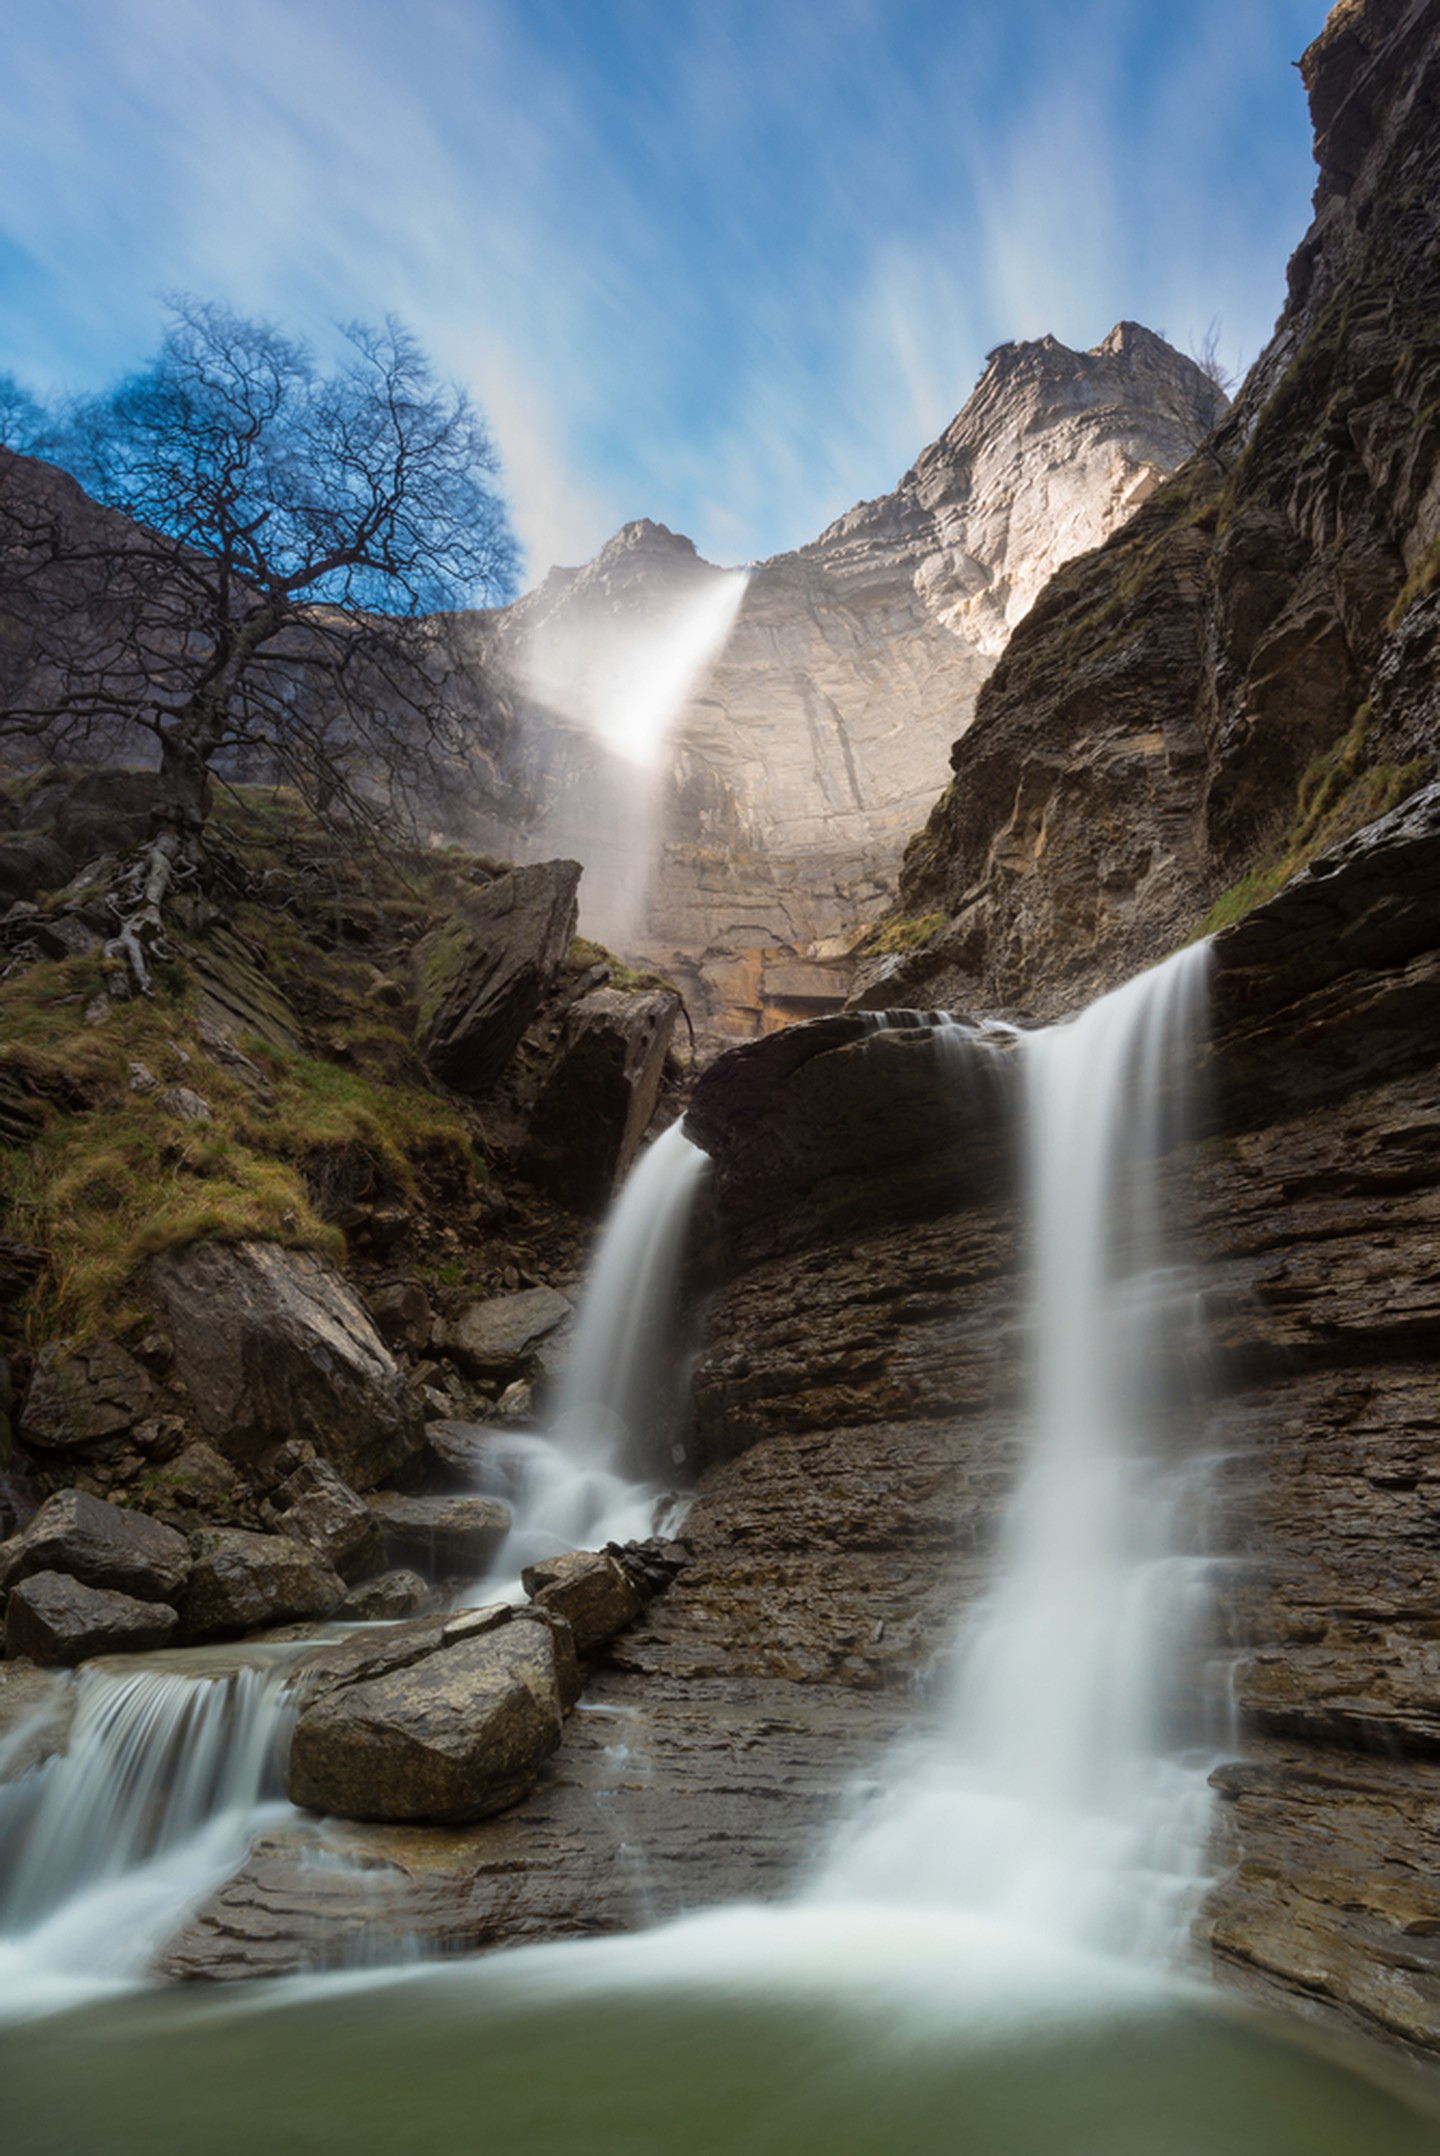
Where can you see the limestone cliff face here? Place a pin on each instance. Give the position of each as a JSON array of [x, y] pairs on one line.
[[863, 1385], [1243, 671], [804, 754], [1249, 664]]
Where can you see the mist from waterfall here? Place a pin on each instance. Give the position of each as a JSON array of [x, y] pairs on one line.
[[1053, 1796], [623, 677]]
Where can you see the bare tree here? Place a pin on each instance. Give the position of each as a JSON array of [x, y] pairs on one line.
[[263, 582]]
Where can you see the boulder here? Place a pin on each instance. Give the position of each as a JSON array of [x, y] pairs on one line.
[[80, 1400], [273, 1346], [386, 1597], [500, 1332], [241, 1582], [315, 1507], [101, 1544], [402, 1314], [599, 1094], [106, 812], [198, 1478], [53, 1619], [456, 1450], [590, 1589], [458, 1734], [447, 1535], [482, 975]]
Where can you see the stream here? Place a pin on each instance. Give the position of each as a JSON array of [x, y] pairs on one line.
[[991, 1952]]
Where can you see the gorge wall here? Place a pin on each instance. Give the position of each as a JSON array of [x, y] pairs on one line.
[[813, 739], [1237, 680], [1247, 668]]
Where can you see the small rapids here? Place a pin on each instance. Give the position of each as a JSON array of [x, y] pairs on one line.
[[169, 1768]]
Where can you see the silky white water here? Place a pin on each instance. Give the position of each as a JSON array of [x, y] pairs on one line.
[[596, 1474], [166, 1775], [624, 677], [1052, 1796]]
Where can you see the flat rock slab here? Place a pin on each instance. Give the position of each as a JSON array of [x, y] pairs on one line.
[[454, 1736], [102, 1544], [446, 1535], [242, 1581], [499, 1333], [58, 1621]]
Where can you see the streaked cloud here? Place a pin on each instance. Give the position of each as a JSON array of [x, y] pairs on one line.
[[721, 263]]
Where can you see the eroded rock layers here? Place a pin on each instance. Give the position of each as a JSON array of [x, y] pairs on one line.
[[1248, 666]]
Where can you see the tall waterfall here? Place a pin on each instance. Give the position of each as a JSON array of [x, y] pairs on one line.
[[1052, 1796]]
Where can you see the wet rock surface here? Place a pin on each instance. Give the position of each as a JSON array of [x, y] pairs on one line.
[[454, 1732], [242, 1582]]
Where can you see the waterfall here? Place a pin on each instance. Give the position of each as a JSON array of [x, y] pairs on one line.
[[594, 1476], [1051, 1797], [152, 1803]]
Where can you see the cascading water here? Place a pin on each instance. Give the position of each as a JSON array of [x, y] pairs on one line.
[[853, 2026], [165, 1776], [595, 1475], [1050, 1798]]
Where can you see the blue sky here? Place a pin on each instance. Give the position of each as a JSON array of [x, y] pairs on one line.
[[722, 263]]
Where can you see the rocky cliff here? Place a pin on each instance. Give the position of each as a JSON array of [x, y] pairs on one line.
[[1247, 668], [813, 739]]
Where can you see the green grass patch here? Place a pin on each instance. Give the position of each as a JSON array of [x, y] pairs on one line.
[[1339, 792], [1422, 580], [900, 932]]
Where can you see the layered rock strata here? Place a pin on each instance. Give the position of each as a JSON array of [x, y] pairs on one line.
[[1248, 667], [807, 751]]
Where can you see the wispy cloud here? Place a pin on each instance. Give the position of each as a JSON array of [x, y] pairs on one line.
[[725, 264]]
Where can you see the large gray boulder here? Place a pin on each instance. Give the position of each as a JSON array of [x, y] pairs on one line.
[[482, 976], [241, 1582], [599, 1094], [453, 1736], [83, 1399], [53, 1619], [499, 1333], [273, 1346], [102, 1544]]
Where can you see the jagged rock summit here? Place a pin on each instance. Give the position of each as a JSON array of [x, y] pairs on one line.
[[802, 756]]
